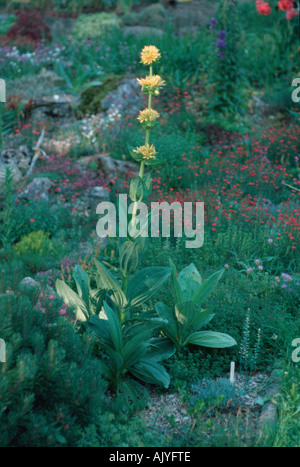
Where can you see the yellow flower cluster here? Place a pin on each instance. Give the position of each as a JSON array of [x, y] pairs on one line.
[[149, 81], [150, 54], [148, 152], [148, 115]]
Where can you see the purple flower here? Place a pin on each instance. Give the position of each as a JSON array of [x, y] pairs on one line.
[[221, 43], [286, 277], [213, 23]]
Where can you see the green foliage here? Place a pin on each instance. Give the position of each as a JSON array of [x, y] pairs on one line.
[[132, 350], [213, 393], [78, 78], [95, 25], [6, 216], [183, 325], [129, 346], [288, 406], [225, 73], [36, 250], [51, 385], [6, 22], [121, 432], [38, 215], [34, 243], [92, 96]]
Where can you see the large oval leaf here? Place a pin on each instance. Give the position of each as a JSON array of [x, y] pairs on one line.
[[166, 313], [83, 285], [151, 372], [101, 329], [106, 281], [145, 283], [206, 288], [160, 349], [213, 339], [189, 280], [115, 327]]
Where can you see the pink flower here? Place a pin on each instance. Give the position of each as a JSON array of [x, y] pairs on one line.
[[263, 8], [62, 311], [286, 5], [291, 14]]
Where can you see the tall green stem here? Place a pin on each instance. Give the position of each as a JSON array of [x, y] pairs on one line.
[[147, 138]]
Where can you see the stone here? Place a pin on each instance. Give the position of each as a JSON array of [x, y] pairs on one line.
[[154, 15], [55, 107], [15, 172], [142, 31], [112, 167], [38, 187], [30, 283], [269, 412], [96, 195], [127, 98], [60, 27], [33, 284], [17, 159], [91, 97]]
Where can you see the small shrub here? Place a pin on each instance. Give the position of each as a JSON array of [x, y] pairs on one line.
[[94, 25], [36, 243], [214, 392], [30, 25], [51, 387]]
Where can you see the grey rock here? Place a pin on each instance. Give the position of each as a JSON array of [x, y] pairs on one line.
[[38, 187], [33, 284], [96, 195], [54, 107], [269, 412], [153, 15], [60, 27], [127, 98], [112, 167], [29, 282], [117, 170], [17, 159], [15, 171], [142, 31]]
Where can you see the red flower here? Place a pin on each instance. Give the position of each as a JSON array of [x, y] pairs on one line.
[[31, 220], [286, 5], [290, 14], [263, 8]]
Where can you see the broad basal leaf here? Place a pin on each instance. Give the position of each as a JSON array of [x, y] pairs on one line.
[[206, 288], [71, 298], [145, 283], [212, 339], [189, 280]]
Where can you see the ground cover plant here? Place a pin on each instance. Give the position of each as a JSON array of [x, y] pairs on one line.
[[110, 339]]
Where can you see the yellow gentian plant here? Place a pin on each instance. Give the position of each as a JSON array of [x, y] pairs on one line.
[[146, 155]]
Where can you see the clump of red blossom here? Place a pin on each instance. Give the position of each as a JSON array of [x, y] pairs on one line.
[[288, 6], [29, 25]]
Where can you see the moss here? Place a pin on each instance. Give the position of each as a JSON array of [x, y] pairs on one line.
[[94, 25], [91, 98]]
